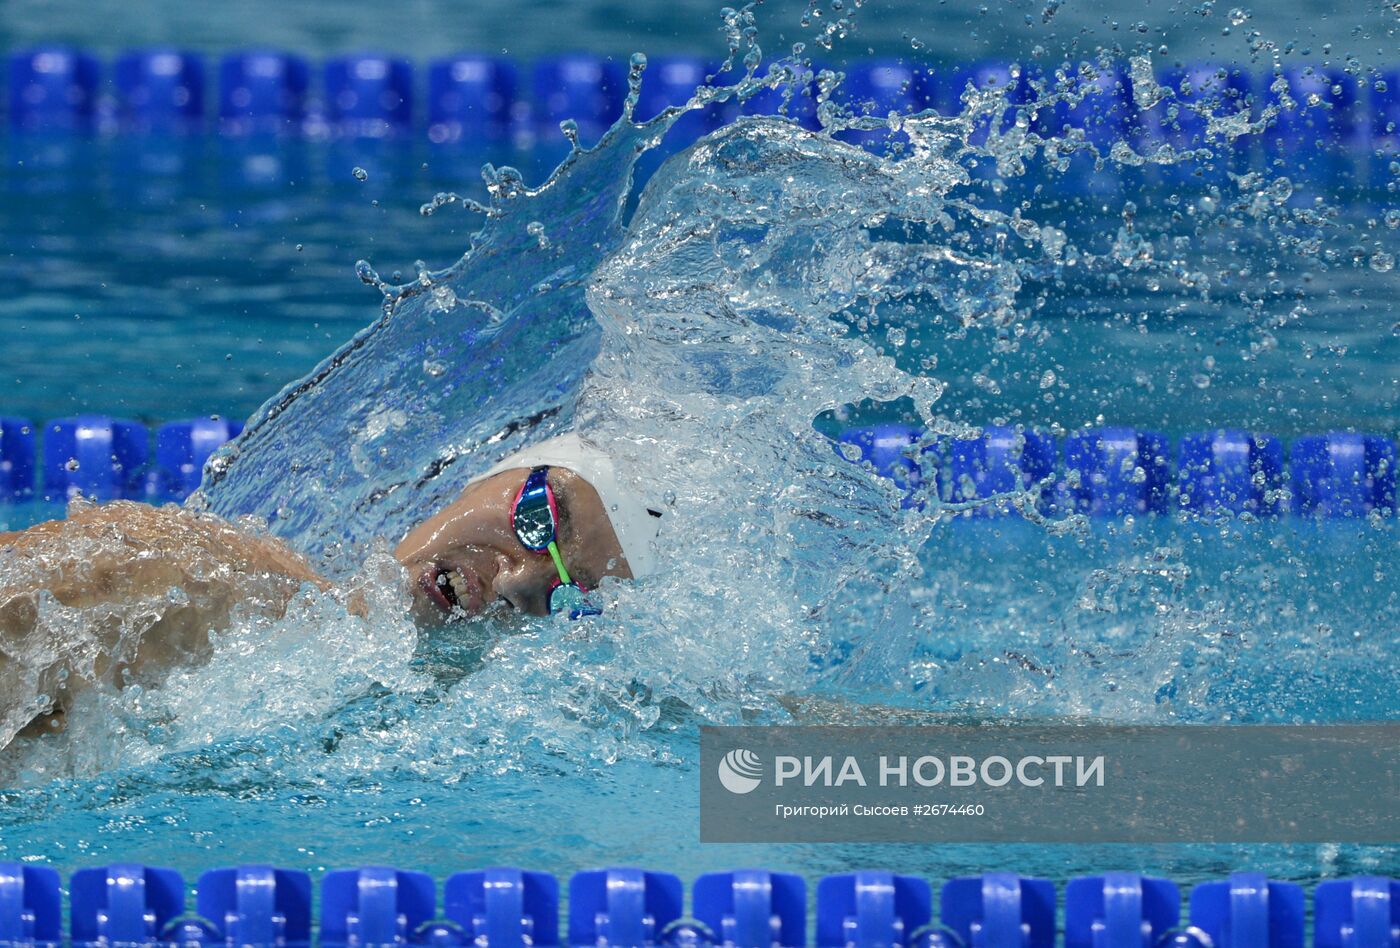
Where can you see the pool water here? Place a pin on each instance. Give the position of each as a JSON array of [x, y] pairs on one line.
[[1161, 622], [230, 281], [234, 283], [324, 743]]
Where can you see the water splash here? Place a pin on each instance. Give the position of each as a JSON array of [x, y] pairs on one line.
[[769, 278]]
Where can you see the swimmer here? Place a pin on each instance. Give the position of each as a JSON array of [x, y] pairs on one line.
[[497, 541], [534, 533]]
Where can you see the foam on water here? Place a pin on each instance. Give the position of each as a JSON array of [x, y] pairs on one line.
[[771, 279]]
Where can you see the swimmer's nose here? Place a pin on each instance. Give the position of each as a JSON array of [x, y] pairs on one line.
[[524, 589]]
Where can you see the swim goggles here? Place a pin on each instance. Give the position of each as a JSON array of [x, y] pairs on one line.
[[535, 518]]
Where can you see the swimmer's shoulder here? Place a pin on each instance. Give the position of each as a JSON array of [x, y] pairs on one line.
[[169, 531]]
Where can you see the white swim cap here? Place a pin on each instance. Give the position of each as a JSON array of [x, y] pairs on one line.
[[635, 521]]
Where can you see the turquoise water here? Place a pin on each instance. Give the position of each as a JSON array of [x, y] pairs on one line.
[[232, 288], [827, 281], [1169, 618], [953, 31], [198, 273]]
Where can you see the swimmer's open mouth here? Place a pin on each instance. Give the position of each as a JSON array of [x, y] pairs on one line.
[[452, 589]]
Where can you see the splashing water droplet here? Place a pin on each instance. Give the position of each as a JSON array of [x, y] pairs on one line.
[[367, 274], [360, 173], [441, 299], [440, 200], [536, 230], [570, 129]]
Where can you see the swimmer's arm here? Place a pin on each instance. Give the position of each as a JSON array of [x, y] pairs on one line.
[[150, 583], [124, 551]]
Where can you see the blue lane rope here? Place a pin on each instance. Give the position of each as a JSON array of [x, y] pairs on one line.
[[139, 906], [474, 97], [1104, 472], [1116, 472]]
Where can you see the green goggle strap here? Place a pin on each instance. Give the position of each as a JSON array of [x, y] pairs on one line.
[[559, 562]]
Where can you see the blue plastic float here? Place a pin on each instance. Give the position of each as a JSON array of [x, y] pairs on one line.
[[1117, 472], [470, 99], [94, 456], [256, 905], [1249, 911], [1104, 110], [872, 908], [1120, 910], [581, 88], [159, 90], [53, 88], [1204, 91], [16, 460], [374, 905], [623, 906], [124, 903], [1003, 460], [1343, 474], [182, 447], [1231, 471], [751, 908], [877, 89], [1357, 913], [262, 91], [1000, 909], [369, 95], [672, 80], [31, 905]]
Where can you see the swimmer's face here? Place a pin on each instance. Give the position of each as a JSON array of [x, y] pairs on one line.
[[467, 558]]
